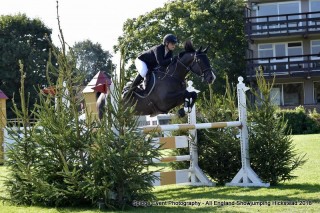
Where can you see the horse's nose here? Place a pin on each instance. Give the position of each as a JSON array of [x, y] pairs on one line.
[[209, 77], [211, 80]]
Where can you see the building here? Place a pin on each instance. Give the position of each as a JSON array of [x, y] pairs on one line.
[[284, 40]]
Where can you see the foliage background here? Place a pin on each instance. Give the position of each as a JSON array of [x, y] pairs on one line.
[[28, 40], [91, 59], [218, 24]]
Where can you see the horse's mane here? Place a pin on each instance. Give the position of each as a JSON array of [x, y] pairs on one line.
[[188, 47]]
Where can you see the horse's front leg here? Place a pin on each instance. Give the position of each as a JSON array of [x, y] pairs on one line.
[[189, 101]]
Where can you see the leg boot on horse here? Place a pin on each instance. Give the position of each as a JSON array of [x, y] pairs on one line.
[[190, 100]]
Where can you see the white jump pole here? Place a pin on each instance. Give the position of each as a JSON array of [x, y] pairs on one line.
[[246, 176], [197, 174]]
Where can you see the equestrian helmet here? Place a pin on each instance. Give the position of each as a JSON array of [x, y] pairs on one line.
[[170, 38]]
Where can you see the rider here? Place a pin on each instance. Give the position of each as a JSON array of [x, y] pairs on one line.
[[160, 55]]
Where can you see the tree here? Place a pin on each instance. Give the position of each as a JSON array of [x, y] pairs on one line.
[[28, 40], [207, 22], [91, 58], [63, 161], [272, 152]]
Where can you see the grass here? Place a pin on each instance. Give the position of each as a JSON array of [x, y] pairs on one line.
[[302, 194]]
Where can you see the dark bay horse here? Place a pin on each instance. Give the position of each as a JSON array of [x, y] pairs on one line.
[[166, 88]]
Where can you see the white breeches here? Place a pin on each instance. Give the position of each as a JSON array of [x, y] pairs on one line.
[[141, 67]]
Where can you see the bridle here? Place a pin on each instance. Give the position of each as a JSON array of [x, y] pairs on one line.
[[188, 68], [194, 62]]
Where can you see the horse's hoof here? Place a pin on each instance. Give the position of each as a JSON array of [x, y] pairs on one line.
[[181, 113]]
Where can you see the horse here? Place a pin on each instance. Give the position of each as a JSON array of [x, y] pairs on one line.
[[166, 88]]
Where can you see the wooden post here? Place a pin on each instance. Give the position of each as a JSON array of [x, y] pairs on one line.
[[3, 123]]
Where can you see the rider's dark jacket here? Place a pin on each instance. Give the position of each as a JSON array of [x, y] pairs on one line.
[[156, 56]]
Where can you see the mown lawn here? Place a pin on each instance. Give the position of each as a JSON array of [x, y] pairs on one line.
[[299, 195]]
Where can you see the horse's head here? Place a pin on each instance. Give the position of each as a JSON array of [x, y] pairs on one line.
[[197, 62], [201, 66]]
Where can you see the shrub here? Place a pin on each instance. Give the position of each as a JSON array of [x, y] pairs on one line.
[[219, 149], [315, 115], [300, 122], [273, 155]]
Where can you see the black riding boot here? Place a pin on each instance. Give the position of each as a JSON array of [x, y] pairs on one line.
[[136, 82], [128, 89]]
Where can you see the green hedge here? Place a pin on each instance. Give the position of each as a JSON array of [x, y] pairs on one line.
[[301, 122]]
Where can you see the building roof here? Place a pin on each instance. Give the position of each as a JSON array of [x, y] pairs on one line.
[[99, 79], [2, 95]]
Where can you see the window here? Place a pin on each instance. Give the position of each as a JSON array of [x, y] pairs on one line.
[[280, 49], [293, 94], [275, 95], [316, 87], [265, 51], [294, 48], [277, 10], [164, 122], [267, 10], [287, 94], [314, 7], [278, 53], [280, 8], [315, 49]]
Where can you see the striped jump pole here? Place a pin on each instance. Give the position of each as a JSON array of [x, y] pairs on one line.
[[192, 176], [173, 127], [171, 177], [171, 143]]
